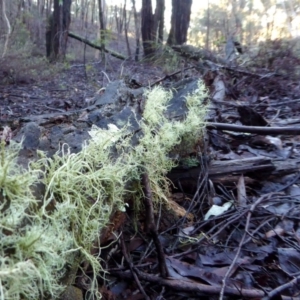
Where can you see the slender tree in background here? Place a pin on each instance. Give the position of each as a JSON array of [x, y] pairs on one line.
[[126, 22], [137, 31], [147, 28], [93, 11], [180, 21], [102, 27], [119, 17], [159, 20], [58, 28], [41, 6], [82, 9], [48, 7], [207, 27], [2, 2]]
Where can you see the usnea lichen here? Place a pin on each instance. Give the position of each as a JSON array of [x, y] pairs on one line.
[[161, 135], [30, 258], [41, 238]]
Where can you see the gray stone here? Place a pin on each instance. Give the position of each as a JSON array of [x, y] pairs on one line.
[[72, 293], [177, 106]]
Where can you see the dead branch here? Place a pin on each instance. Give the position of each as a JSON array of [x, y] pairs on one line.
[[221, 168], [220, 226], [281, 288], [169, 75], [232, 265], [132, 268], [87, 42], [150, 225], [254, 129], [188, 286]]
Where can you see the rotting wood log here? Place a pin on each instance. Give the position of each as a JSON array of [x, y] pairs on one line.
[[222, 168], [219, 169]]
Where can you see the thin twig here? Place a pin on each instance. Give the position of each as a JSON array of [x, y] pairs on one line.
[[211, 238], [169, 75], [132, 268], [151, 227], [189, 286], [281, 288], [254, 129], [257, 229], [232, 265], [106, 76]]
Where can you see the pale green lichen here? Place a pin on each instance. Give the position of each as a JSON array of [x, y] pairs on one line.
[[30, 258], [40, 239], [161, 135]]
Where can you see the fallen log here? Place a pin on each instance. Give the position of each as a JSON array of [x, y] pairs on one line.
[[224, 168], [231, 169]]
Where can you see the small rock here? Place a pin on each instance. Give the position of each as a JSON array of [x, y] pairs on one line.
[[72, 293]]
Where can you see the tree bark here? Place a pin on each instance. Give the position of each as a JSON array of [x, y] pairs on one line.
[[152, 26], [8, 27], [41, 7], [180, 20], [82, 10], [119, 17], [126, 25], [102, 28], [147, 28], [207, 27], [137, 31], [159, 20], [57, 32], [92, 11]]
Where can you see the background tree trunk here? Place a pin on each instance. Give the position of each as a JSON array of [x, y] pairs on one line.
[[152, 25], [147, 28], [48, 8], [8, 27], [180, 21], [207, 27], [137, 31], [119, 17], [159, 20], [102, 28], [57, 33], [126, 26], [82, 9], [92, 11], [41, 7]]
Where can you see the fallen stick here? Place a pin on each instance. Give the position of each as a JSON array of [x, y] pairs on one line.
[[85, 41], [254, 129], [188, 286]]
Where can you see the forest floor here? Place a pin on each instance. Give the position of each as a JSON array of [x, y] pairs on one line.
[[71, 88], [249, 247]]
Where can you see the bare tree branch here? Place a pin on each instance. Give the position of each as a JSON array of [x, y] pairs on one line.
[[8, 28]]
